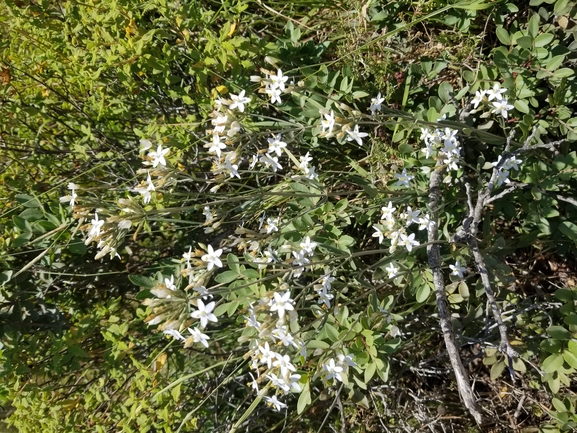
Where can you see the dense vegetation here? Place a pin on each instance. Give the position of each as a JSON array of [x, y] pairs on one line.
[[288, 216]]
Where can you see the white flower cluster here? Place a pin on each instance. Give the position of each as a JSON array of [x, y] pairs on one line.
[[442, 144], [274, 85], [504, 169], [390, 227], [336, 370], [267, 328], [494, 98]]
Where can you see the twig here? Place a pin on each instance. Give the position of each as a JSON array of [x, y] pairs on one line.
[[434, 255]]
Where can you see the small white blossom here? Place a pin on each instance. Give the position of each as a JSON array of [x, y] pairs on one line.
[[199, 337], [204, 313], [281, 303], [392, 270], [158, 156], [356, 135], [457, 269], [276, 145], [404, 179], [501, 107], [274, 403], [376, 104], [212, 258], [238, 101]]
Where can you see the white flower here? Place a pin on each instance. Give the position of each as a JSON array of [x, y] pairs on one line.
[[216, 145], [325, 297], [378, 234], [328, 122], [270, 161], [346, 361], [283, 362], [278, 80], [509, 163], [271, 225], [199, 337], [275, 145], [220, 122], [495, 92], [281, 303], [395, 331], [173, 333], [238, 101], [376, 103], [278, 382], [404, 178], [72, 197], [333, 370], [479, 96], [502, 177], [273, 402], [308, 246], [251, 320], [392, 270], [457, 269], [411, 216], [501, 107], [388, 211], [169, 283], [202, 291], [274, 94], [284, 337], [425, 222], [204, 313], [212, 258], [266, 355], [158, 156], [408, 241], [429, 150], [96, 226], [356, 135]]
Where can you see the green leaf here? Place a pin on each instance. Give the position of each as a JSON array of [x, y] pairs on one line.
[[22, 224], [503, 36], [570, 358], [534, 25], [521, 106], [445, 91], [141, 281], [226, 277], [370, 370], [233, 263], [423, 292], [554, 62], [568, 229], [332, 332], [32, 214], [559, 333], [497, 369], [563, 73], [558, 404], [543, 39], [304, 398], [27, 200], [405, 148], [552, 363]]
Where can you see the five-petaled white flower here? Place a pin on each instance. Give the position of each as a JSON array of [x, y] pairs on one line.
[[276, 145], [274, 403], [96, 226], [408, 241], [238, 101], [356, 135], [278, 80], [199, 337], [404, 178], [212, 258], [281, 303], [158, 156], [216, 145], [457, 269], [328, 122], [333, 369], [204, 313], [501, 107], [392, 270], [376, 103], [378, 234]]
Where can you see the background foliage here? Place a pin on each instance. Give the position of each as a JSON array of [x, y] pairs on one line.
[[82, 82]]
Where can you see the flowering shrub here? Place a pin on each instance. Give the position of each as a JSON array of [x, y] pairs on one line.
[[313, 245]]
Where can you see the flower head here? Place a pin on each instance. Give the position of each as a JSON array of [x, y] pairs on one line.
[[212, 258], [204, 313]]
